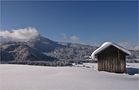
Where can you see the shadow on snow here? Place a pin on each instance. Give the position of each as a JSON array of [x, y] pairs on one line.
[[132, 71]]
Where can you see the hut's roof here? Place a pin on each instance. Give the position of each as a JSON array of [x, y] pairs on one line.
[[107, 44]]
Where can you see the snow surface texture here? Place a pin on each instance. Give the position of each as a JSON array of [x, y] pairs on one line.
[[105, 45], [25, 77]]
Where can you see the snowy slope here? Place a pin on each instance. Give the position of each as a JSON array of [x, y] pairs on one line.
[[25, 77]]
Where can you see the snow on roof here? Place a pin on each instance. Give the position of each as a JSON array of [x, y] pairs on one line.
[[105, 45]]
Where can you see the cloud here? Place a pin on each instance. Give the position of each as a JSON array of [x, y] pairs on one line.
[[65, 37], [21, 35], [74, 38]]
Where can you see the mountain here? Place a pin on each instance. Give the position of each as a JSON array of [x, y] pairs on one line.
[[43, 49], [134, 57], [27, 51], [73, 52], [46, 50], [43, 44], [17, 51]]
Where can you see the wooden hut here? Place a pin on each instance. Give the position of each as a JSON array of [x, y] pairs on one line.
[[111, 57]]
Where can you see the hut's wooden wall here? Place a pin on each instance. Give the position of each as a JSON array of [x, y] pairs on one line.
[[112, 60]]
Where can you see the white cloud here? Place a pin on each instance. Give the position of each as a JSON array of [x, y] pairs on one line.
[[65, 37], [74, 38], [22, 35]]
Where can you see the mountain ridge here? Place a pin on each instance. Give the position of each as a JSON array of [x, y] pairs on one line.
[[44, 49]]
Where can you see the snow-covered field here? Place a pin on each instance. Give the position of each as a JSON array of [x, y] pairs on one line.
[[79, 77]]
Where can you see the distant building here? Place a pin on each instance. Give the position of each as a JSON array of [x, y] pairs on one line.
[[111, 57]]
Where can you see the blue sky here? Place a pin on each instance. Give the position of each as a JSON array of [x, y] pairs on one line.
[[90, 21]]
